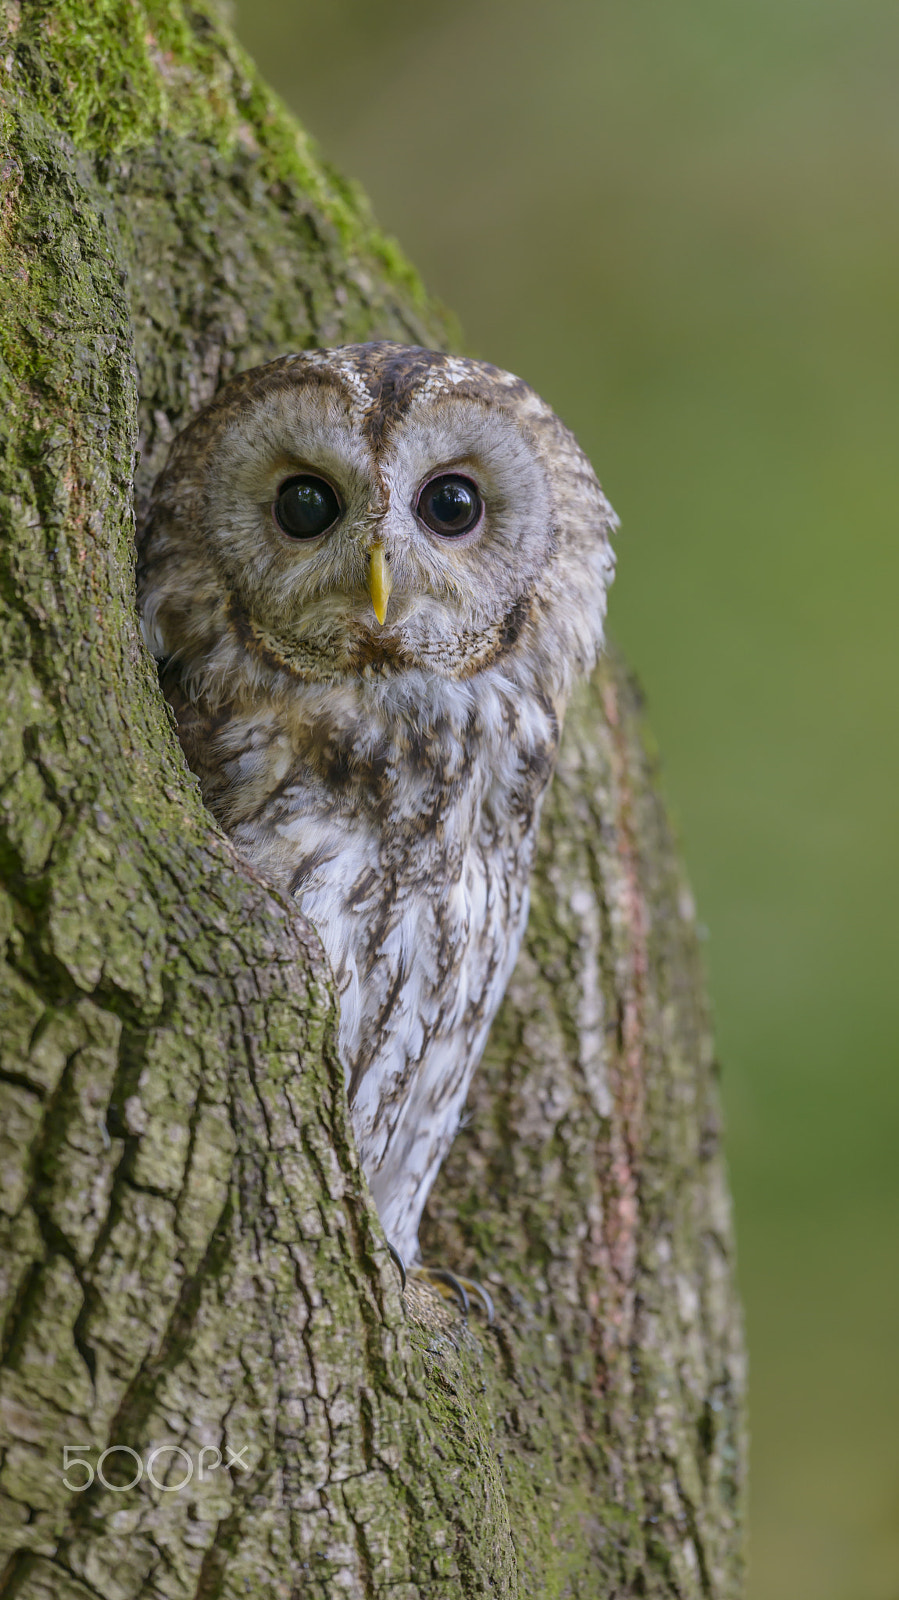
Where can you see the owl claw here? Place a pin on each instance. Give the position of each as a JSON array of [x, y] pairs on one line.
[[400, 1265], [481, 1296], [440, 1276], [465, 1290]]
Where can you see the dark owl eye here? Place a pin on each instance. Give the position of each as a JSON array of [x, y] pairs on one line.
[[306, 507], [449, 505]]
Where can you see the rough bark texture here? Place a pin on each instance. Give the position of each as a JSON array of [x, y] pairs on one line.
[[190, 1257]]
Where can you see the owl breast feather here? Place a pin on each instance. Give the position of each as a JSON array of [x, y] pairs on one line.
[[413, 868]]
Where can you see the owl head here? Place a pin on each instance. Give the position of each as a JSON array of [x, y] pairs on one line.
[[369, 511]]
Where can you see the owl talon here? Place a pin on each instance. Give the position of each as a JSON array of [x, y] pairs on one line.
[[477, 1292], [465, 1290], [400, 1265], [440, 1277]]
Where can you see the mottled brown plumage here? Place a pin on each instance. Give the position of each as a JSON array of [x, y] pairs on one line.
[[389, 776]]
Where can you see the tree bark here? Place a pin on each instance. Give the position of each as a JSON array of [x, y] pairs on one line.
[[192, 1265]]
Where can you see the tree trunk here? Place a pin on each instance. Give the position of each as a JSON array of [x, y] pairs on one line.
[[192, 1266]]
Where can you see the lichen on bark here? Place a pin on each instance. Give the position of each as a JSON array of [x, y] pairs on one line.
[[190, 1256]]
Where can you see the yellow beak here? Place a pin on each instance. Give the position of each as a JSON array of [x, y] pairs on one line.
[[380, 582]]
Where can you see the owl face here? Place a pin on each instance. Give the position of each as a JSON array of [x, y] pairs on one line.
[[371, 509]]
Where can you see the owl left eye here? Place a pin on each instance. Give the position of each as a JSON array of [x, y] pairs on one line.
[[306, 507], [449, 505]]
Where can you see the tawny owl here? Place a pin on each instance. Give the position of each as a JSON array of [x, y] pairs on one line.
[[372, 574]]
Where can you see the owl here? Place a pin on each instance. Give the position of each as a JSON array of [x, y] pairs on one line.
[[371, 576]]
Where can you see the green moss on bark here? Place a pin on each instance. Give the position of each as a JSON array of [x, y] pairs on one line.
[[114, 76]]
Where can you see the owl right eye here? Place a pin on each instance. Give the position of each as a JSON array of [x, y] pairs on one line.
[[306, 507]]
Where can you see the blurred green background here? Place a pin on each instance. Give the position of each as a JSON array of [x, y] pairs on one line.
[[680, 223]]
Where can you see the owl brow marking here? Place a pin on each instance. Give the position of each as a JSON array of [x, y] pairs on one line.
[[391, 391]]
